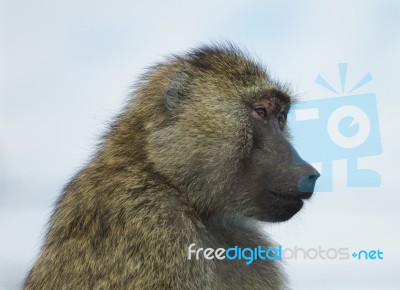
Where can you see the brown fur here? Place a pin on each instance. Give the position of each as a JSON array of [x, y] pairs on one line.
[[161, 180]]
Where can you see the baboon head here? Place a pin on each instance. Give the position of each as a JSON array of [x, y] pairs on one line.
[[216, 131]]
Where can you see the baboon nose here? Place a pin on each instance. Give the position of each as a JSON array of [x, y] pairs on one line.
[[313, 177], [307, 182]]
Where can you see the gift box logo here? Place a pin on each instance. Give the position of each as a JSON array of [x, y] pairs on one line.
[[342, 127]]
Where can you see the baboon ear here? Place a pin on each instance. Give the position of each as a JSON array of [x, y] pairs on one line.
[[177, 90]]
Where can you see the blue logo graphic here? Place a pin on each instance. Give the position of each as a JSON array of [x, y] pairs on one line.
[[342, 127]]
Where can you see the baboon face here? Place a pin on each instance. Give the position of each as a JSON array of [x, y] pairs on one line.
[[277, 179], [222, 138]]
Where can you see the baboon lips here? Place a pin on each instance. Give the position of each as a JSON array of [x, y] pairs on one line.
[[295, 196]]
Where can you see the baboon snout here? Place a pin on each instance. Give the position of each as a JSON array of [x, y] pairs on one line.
[[307, 181]]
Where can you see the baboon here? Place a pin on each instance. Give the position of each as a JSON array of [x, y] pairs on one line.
[[200, 155]]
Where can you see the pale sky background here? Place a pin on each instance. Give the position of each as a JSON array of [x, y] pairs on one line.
[[67, 67]]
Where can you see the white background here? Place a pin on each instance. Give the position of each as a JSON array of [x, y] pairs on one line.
[[66, 67]]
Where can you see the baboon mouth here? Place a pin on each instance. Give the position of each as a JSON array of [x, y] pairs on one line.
[[294, 196]]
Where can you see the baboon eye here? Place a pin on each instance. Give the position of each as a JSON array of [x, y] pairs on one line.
[[261, 112]]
